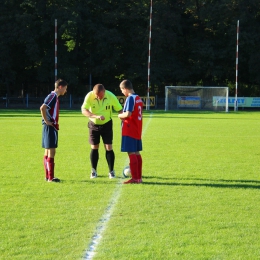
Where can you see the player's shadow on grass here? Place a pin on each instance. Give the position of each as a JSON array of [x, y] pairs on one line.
[[101, 179], [213, 183]]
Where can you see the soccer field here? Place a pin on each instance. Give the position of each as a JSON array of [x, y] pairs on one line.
[[199, 200]]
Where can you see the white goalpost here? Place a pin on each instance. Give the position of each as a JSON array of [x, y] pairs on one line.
[[196, 97]]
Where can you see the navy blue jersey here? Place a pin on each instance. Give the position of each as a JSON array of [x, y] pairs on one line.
[[52, 103]]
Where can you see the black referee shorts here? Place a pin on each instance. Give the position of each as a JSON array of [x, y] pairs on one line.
[[105, 131]]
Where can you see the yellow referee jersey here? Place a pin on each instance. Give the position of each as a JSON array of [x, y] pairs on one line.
[[103, 107]]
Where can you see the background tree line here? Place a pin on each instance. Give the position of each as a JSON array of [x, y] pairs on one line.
[[193, 43]]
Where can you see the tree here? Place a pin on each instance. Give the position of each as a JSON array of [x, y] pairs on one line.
[[193, 43]]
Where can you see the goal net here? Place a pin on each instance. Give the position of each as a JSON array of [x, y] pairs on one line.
[[196, 97]]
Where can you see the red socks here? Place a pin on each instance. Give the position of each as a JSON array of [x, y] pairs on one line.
[[140, 164], [45, 157], [133, 166], [50, 168]]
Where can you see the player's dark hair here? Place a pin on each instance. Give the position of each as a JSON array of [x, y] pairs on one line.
[[60, 82], [127, 84]]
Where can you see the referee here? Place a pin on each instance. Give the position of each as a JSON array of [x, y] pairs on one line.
[[98, 106]]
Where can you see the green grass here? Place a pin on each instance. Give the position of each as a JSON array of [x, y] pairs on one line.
[[199, 199]]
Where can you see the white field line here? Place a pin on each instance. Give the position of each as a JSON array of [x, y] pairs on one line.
[[102, 223]]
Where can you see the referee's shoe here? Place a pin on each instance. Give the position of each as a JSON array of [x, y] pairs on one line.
[[93, 174], [112, 175]]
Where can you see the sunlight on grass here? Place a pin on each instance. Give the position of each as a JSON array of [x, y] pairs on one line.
[[198, 200]]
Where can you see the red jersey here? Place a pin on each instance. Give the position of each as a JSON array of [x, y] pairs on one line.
[[132, 126]]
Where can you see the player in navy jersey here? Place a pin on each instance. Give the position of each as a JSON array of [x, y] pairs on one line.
[[50, 121], [132, 130]]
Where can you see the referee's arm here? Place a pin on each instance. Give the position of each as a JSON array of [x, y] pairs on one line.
[[87, 113]]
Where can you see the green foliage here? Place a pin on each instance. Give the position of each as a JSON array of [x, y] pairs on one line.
[[192, 41]]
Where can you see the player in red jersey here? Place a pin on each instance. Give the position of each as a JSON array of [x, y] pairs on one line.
[[50, 121], [132, 130]]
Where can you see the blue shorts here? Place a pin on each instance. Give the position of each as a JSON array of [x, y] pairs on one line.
[[49, 137], [130, 144]]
